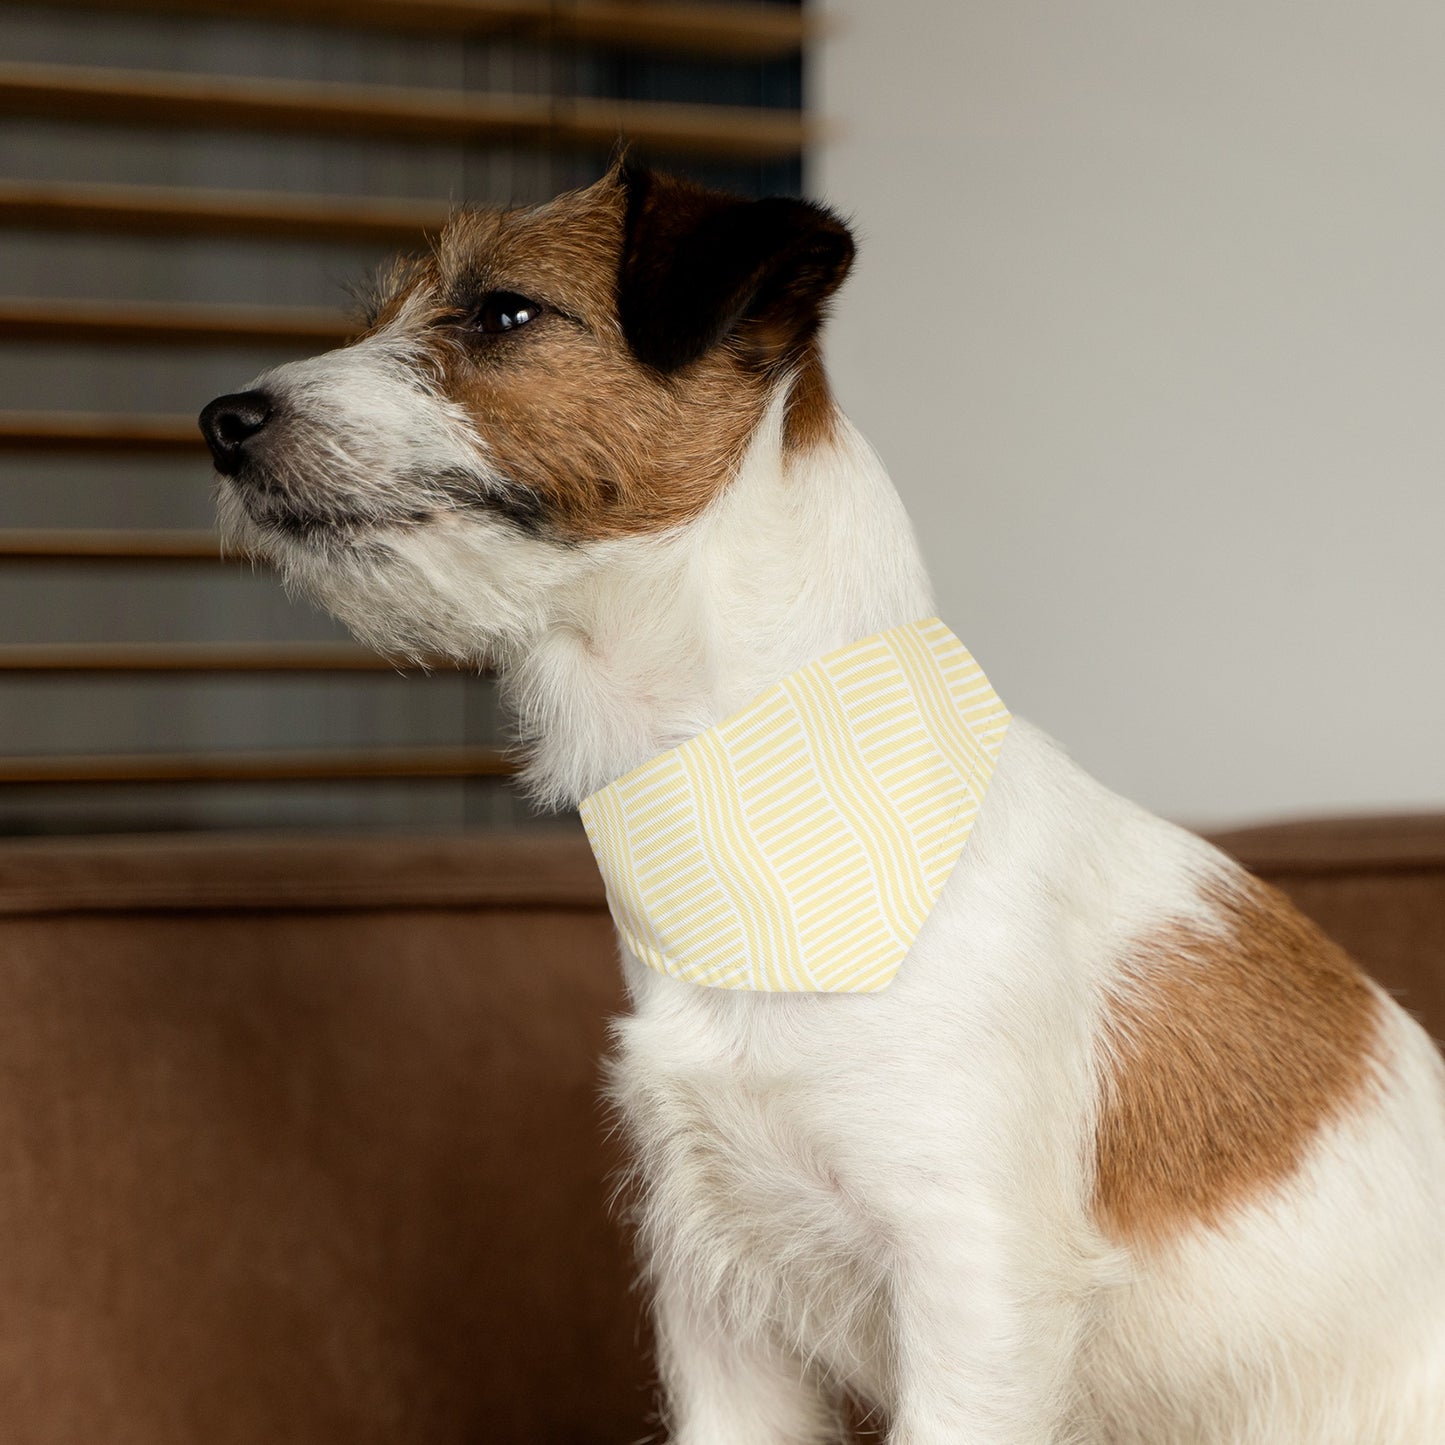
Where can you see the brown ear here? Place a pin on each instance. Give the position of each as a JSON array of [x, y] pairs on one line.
[[699, 266]]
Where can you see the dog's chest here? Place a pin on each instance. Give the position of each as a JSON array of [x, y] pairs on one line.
[[744, 1183]]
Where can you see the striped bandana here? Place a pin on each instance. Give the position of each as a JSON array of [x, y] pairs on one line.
[[799, 846]]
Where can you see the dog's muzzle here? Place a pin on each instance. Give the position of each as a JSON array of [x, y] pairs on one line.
[[230, 422]]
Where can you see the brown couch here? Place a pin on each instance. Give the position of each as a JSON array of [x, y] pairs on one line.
[[300, 1140]]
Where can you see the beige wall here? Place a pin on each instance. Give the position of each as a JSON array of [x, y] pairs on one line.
[[1149, 324]]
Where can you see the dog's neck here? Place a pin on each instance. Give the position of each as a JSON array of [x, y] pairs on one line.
[[803, 553]]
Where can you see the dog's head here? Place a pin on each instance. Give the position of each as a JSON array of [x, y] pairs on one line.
[[545, 383]]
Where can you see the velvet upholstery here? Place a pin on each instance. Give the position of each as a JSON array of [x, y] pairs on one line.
[[300, 1139]]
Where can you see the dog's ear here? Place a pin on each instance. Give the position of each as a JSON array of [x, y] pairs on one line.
[[698, 266]]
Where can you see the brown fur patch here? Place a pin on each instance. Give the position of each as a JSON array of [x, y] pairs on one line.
[[607, 446], [812, 415], [1226, 1053]]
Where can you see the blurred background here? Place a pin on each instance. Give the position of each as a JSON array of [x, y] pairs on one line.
[[187, 191], [1147, 323]]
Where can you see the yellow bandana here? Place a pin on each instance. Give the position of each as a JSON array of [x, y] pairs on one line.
[[799, 846]]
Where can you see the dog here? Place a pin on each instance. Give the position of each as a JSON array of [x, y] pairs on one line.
[[1127, 1153]]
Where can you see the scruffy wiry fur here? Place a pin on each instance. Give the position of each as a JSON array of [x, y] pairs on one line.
[[896, 1197]]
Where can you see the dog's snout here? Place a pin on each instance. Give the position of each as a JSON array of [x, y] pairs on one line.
[[229, 422]]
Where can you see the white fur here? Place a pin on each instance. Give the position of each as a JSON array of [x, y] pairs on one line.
[[889, 1195]]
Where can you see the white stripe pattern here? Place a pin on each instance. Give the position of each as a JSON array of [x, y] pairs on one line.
[[799, 846]]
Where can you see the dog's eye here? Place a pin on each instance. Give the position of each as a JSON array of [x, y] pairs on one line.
[[504, 311]]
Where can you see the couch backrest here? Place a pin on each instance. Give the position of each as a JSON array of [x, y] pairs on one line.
[[301, 1142]]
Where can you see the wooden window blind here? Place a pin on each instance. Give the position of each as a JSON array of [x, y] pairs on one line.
[[186, 186]]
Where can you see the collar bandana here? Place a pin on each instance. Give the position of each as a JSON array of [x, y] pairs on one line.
[[799, 846]]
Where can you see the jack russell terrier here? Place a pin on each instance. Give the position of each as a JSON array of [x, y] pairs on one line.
[[1059, 1129]]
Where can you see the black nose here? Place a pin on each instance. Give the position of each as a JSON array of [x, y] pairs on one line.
[[229, 422]]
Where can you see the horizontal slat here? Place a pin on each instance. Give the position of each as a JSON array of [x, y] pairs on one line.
[[85, 431], [169, 324], [69, 544], [191, 657], [76, 431], [173, 211], [72, 544], [157, 98], [709, 29], [258, 767]]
